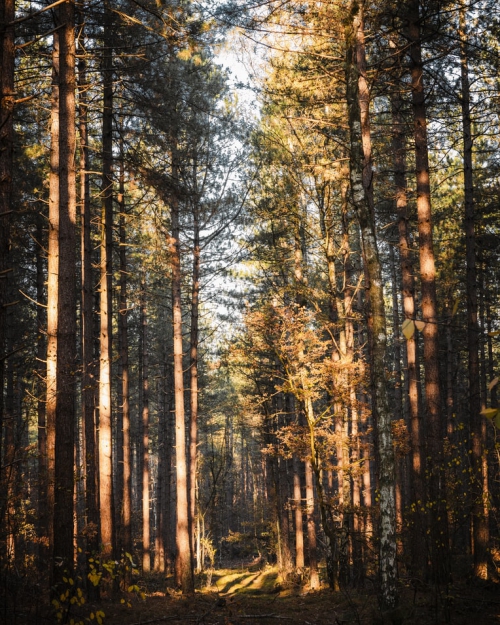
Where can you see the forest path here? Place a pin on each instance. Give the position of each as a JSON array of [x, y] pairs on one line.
[[248, 582], [244, 595]]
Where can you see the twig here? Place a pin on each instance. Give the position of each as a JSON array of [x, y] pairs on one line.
[[160, 619], [200, 618], [272, 615]]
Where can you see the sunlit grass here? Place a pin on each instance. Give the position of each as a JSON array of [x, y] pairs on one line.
[[230, 582]]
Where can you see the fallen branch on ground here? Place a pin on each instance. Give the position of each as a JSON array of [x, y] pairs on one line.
[[272, 615]]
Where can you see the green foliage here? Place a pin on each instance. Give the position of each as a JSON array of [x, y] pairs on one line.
[[70, 595]]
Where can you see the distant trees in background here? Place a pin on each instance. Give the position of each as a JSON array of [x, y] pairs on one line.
[[224, 338]]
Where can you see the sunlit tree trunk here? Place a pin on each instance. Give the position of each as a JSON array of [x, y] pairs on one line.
[[52, 288], [298, 515], [311, 528], [87, 321], [409, 310], [159, 557], [146, 540], [438, 518], [183, 562], [361, 185], [193, 372], [66, 303], [106, 503], [281, 495]]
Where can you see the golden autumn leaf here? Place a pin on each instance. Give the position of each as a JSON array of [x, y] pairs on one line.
[[489, 413], [408, 328], [420, 325]]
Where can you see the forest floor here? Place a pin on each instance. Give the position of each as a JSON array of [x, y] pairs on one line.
[[248, 593]]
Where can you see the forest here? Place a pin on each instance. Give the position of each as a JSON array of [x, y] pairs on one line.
[[249, 312]]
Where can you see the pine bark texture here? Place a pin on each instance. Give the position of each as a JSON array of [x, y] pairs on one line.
[[361, 180], [66, 303], [87, 321], [311, 528], [193, 373], [146, 538], [106, 504], [52, 288], [7, 99], [409, 310], [183, 562], [126, 511], [438, 519], [298, 516], [480, 526]]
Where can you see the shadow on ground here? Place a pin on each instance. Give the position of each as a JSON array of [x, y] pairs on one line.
[[246, 582]]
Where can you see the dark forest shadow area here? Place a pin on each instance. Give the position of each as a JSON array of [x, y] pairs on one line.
[[246, 593]]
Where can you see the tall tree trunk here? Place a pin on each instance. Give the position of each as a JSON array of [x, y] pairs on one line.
[[7, 99], [361, 181], [438, 518], [126, 511], [480, 526], [183, 562], [118, 455], [52, 287], [169, 505], [11, 470], [299, 525], [66, 303], [282, 491], [398, 392], [87, 321], [159, 558], [146, 539], [409, 310], [491, 359], [41, 366], [193, 371], [106, 504], [311, 528]]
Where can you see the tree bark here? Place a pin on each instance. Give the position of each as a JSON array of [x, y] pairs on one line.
[[52, 288], [146, 539], [409, 310], [7, 98], [183, 562], [480, 526], [299, 525], [438, 518], [106, 504], [126, 511], [398, 393], [311, 528], [361, 181], [87, 321], [193, 372], [41, 414], [66, 303]]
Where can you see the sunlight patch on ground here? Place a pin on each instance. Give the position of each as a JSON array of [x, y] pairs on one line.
[[231, 582]]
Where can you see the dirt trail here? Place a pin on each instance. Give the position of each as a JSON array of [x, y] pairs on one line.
[[252, 595]]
